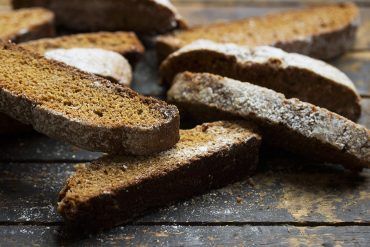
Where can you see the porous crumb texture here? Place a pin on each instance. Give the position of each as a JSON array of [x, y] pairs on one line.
[[78, 97], [305, 31], [289, 123], [111, 175], [294, 75], [145, 16], [121, 42], [26, 24]]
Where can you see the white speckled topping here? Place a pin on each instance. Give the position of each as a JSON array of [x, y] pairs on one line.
[[101, 62], [264, 54]]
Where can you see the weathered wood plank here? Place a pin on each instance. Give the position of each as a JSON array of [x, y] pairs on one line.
[[192, 236], [264, 2], [286, 190]]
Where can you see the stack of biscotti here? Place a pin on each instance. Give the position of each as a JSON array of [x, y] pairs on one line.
[[80, 108], [115, 190], [27, 24], [294, 75], [144, 16], [290, 124], [323, 31]]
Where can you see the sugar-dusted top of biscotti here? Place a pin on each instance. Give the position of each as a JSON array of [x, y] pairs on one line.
[[110, 173], [270, 56]]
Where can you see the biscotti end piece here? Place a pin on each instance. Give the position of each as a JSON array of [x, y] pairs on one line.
[[294, 75], [145, 16], [82, 109], [107, 64], [114, 190], [322, 32], [26, 24], [124, 43], [285, 123]]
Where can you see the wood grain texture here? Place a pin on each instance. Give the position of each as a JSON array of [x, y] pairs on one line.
[[191, 236]]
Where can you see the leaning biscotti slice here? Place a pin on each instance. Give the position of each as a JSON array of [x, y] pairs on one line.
[[124, 43], [26, 24], [144, 16], [294, 75], [286, 123], [323, 31], [114, 190], [80, 108]]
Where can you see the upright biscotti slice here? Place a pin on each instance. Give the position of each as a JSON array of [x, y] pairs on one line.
[[107, 64], [294, 75], [114, 190], [287, 123], [125, 43], [144, 16], [80, 108], [26, 24], [323, 31]]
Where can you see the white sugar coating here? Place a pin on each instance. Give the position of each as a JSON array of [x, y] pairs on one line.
[[101, 62], [247, 100], [264, 54]]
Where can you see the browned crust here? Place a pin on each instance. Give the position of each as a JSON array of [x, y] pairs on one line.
[[323, 46], [195, 177], [136, 140]]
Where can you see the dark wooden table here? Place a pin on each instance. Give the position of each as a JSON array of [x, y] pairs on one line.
[[289, 202]]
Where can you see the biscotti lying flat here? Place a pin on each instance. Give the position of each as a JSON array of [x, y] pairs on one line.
[[286, 123], [26, 24], [114, 190], [144, 16], [107, 64], [125, 43], [323, 31], [82, 109], [294, 75]]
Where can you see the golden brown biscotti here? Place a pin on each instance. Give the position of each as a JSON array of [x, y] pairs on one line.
[[107, 64], [322, 32], [144, 16], [294, 75], [115, 190], [285, 123], [125, 43], [82, 109], [26, 24]]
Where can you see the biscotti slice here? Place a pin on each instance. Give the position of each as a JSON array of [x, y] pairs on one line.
[[322, 31], [125, 43], [26, 24], [80, 108], [107, 64], [286, 123], [144, 16], [294, 75], [114, 190]]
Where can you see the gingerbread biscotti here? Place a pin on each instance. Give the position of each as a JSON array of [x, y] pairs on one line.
[[80, 108], [144, 16], [114, 190], [294, 75], [26, 24], [285, 123], [124, 43], [322, 31]]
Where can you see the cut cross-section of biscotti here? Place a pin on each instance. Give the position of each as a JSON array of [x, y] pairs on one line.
[[286, 123], [107, 64], [125, 43], [80, 108], [144, 16], [26, 24], [114, 190], [294, 75], [322, 31]]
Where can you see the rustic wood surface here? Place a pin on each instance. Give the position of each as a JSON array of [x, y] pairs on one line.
[[290, 201]]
